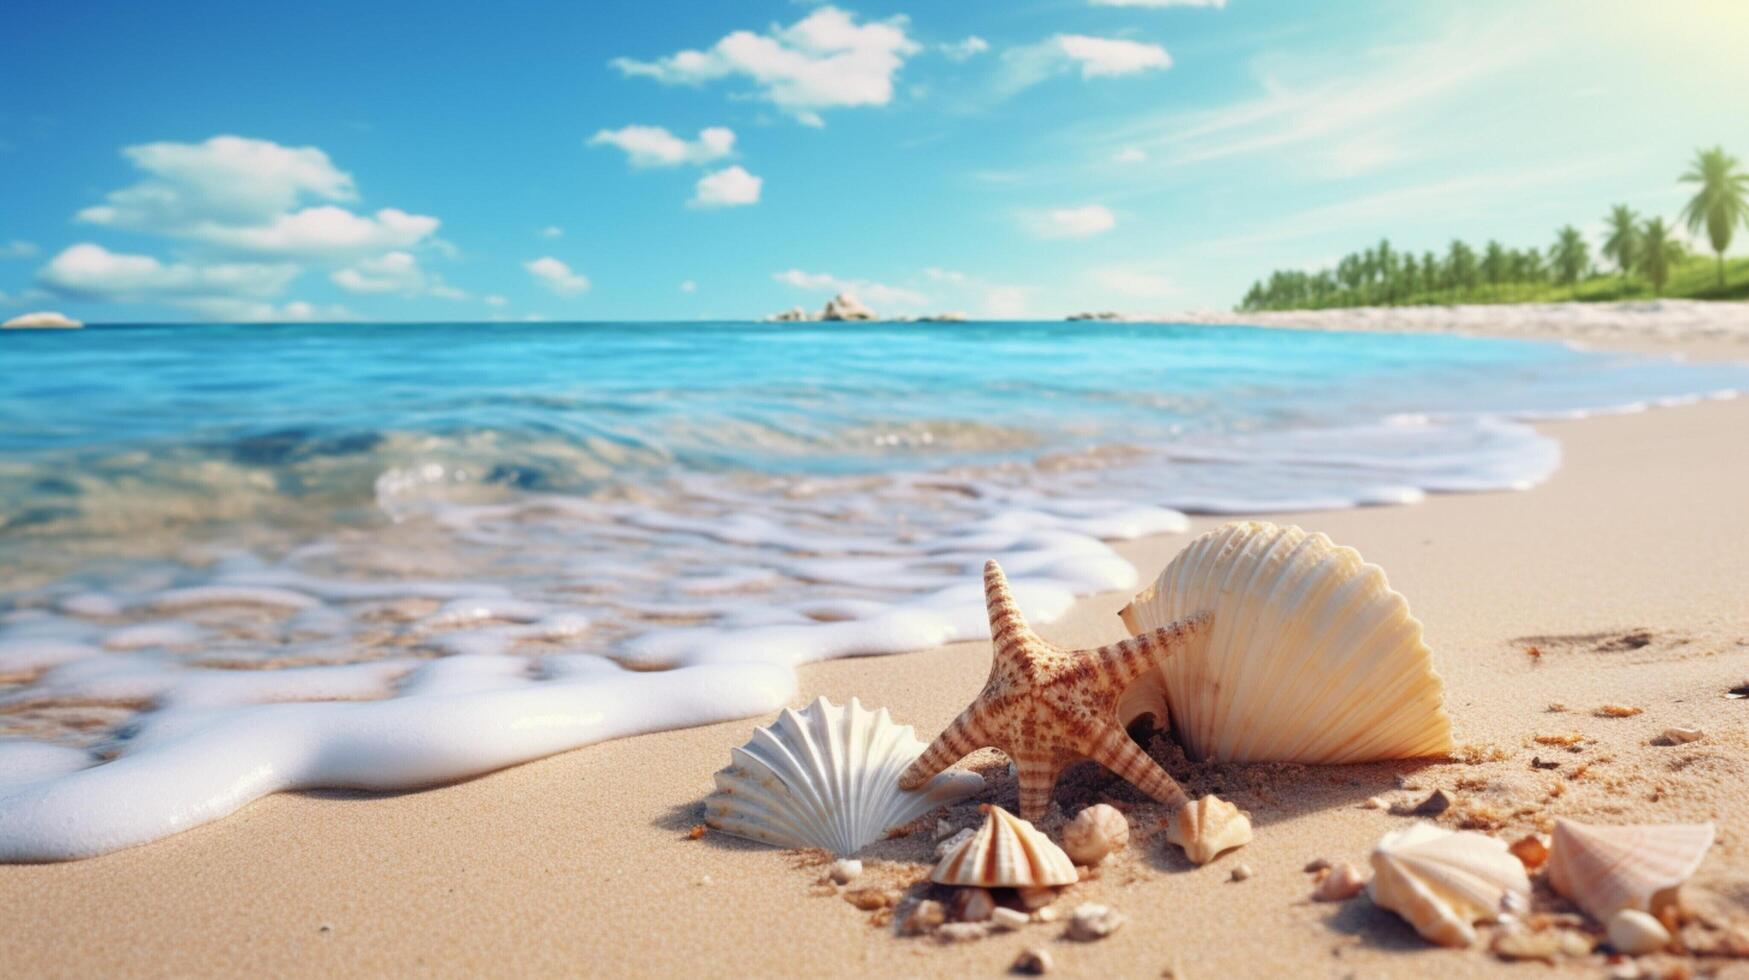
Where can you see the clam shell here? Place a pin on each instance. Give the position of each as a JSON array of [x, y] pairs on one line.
[[1444, 882], [1605, 869], [1006, 852], [1207, 827], [827, 777], [1311, 656]]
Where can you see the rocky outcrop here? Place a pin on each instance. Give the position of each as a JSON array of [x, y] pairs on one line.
[[845, 306], [950, 317], [791, 315], [41, 321], [1104, 315]]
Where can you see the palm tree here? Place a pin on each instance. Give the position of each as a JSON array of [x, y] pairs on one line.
[[1721, 202], [1623, 244], [1659, 251], [1569, 255], [1494, 266]]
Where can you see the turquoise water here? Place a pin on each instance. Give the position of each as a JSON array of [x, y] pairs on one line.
[[240, 559]]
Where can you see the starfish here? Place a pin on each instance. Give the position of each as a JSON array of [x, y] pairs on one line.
[[1049, 708]]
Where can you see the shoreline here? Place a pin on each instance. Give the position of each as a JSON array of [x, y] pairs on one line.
[[587, 850]]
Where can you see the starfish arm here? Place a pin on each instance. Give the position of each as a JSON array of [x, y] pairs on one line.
[[1038, 778], [1113, 749], [958, 740], [1006, 623], [1130, 658]]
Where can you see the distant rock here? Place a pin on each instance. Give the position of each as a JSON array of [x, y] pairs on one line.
[[951, 317], [41, 321], [791, 315], [1105, 315], [844, 306]]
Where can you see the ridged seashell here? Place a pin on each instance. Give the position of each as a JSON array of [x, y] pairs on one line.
[[1311, 656], [1605, 869], [1443, 882], [1096, 832], [1006, 852], [827, 777], [1207, 827]]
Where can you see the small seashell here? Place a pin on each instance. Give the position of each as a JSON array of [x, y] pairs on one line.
[[1443, 882], [971, 905], [1342, 883], [1605, 869], [1530, 851], [942, 849], [1636, 933], [1682, 736], [924, 916], [1006, 852], [1242, 872], [1207, 827], [827, 777], [845, 870], [1292, 612], [1092, 921], [1096, 832], [1033, 962], [1008, 919]]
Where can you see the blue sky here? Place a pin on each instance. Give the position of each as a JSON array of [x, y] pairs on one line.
[[463, 161]]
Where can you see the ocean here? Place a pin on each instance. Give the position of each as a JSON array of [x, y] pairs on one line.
[[239, 559]]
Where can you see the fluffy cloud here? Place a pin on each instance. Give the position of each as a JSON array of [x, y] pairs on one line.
[[395, 272], [245, 311], [876, 294], [653, 146], [244, 195], [552, 231], [1079, 222], [726, 188], [961, 50], [824, 61], [89, 271], [557, 276], [689, 286], [1099, 56], [16, 249]]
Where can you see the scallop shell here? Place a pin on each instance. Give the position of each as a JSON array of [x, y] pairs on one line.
[[1311, 657], [827, 777], [1606, 869], [1444, 882], [1006, 852], [1207, 827], [1096, 832]]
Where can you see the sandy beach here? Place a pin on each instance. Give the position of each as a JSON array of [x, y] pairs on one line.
[[1625, 574]]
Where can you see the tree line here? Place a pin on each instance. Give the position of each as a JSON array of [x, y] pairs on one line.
[[1633, 247]]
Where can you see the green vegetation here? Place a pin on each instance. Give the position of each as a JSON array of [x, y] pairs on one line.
[[1647, 258]]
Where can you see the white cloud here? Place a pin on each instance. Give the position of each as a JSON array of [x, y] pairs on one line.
[[1212, 4], [557, 276], [496, 300], [1099, 56], [689, 286], [1129, 154], [244, 311], [243, 195], [961, 50], [552, 231], [91, 271], [395, 272], [876, 294], [824, 61], [653, 146], [17, 249], [1134, 282], [727, 188], [1078, 222]]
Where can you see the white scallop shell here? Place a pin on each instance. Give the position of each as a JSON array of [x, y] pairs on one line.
[[1006, 852], [1445, 882], [827, 777], [1605, 869], [1311, 657]]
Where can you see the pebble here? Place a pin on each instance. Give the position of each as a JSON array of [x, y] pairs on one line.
[[1682, 736], [1049, 913], [846, 870], [971, 905], [943, 829], [924, 916], [1342, 883], [1636, 933], [704, 880], [1091, 921], [870, 899], [1008, 919], [1436, 803], [1530, 851], [1316, 865], [962, 932], [952, 842], [1033, 962], [1374, 803], [1241, 872]]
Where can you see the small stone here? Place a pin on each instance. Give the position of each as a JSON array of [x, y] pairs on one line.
[[869, 899], [952, 842], [943, 829], [1625, 970], [704, 879], [1316, 865], [1618, 711], [1522, 944], [962, 932], [1530, 851], [971, 905], [1435, 804], [1374, 803], [1342, 883], [924, 916], [1636, 933], [1091, 921], [1241, 872], [1033, 962], [324, 928], [1037, 898], [1682, 736], [846, 870], [1008, 919], [1049, 913]]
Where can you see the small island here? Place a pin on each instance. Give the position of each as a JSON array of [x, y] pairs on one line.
[[45, 320]]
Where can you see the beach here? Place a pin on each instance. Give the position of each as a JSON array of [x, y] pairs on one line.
[[1620, 581]]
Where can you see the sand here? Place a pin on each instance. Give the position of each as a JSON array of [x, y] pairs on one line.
[[1628, 573]]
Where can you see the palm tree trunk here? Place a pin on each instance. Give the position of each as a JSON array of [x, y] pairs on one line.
[[1721, 269]]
